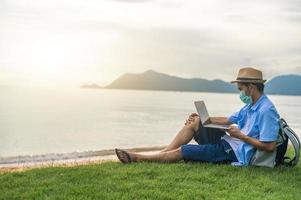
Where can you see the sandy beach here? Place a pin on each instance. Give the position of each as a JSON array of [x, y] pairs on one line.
[[22, 163]]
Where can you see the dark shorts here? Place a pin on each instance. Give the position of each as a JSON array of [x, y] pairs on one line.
[[210, 147]]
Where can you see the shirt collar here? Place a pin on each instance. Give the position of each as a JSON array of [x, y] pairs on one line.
[[259, 101]]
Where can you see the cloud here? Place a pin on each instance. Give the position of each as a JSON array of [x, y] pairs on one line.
[[199, 53], [189, 38], [133, 1]]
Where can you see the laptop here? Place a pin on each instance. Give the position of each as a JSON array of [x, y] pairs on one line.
[[204, 116]]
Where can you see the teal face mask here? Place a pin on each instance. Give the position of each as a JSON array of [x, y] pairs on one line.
[[244, 98]]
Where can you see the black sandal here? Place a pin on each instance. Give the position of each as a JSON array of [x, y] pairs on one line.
[[126, 159]]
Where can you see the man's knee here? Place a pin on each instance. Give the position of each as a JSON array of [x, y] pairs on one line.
[[194, 126], [178, 154], [189, 127]]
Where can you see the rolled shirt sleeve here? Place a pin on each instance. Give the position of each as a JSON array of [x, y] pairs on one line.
[[234, 118], [269, 125]]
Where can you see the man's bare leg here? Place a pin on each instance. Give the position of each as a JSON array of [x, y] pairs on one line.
[[164, 157], [184, 136], [172, 153]]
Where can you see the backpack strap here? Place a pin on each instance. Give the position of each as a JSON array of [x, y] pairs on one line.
[[283, 125], [292, 136]]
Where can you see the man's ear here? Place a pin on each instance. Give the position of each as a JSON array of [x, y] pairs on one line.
[[252, 88]]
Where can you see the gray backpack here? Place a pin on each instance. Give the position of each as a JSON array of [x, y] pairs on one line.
[[286, 133], [277, 157]]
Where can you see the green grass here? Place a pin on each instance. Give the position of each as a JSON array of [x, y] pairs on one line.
[[113, 180]]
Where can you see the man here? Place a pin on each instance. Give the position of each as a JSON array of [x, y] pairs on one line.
[[256, 127]]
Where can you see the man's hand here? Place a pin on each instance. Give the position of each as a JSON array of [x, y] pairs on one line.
[[192, 117], [194, 122], [265, 146], [235, 132], [208, 121]]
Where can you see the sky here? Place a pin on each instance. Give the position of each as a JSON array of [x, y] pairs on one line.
[[75, 42]]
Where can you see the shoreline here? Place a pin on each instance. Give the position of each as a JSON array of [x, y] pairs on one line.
[[23, 163]]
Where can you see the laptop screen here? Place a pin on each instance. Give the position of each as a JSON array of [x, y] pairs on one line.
[[202, 110]]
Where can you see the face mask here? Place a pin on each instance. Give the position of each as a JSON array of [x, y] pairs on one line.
[[244, 98]]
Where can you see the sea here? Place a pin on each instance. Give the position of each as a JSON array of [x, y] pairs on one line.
[[46, 121]]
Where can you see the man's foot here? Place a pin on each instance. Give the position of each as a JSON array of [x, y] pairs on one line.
[[123, 156]]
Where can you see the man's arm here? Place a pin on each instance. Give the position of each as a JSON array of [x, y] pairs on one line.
[[265, 146], [219, 120], [214, 120]]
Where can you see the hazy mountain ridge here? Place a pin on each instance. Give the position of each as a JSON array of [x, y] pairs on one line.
[[152, 80], [286, 84]]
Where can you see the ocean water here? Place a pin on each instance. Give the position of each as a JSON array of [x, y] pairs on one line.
[[41, 121]]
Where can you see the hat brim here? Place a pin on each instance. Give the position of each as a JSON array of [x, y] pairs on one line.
[[248, 81]]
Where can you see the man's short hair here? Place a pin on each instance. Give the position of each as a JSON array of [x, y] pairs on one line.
[[259, 86]]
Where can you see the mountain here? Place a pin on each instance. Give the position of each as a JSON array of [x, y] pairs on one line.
[[286, 84], [152, 80], [92, 86]]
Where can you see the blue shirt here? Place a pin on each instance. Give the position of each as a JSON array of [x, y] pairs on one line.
[[259, 121]]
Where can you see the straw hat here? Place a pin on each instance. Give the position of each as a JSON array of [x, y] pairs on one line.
[[249, 75]]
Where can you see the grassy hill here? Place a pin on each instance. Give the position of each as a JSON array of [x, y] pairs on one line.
[[113, 180]]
